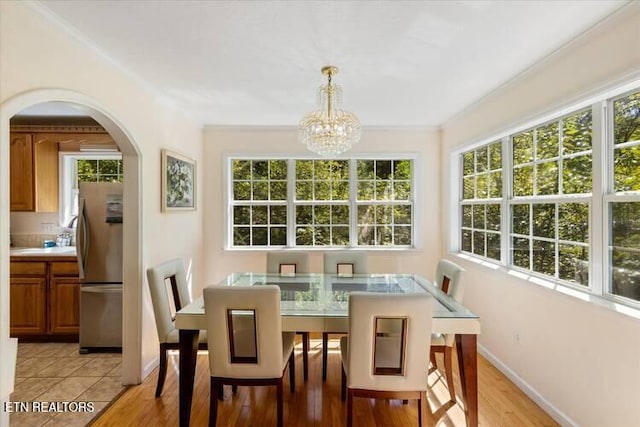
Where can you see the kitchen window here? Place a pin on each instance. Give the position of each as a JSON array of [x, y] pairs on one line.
[[366, 202], [82, 167]]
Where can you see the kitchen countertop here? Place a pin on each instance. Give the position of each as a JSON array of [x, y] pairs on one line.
[[60, 253]]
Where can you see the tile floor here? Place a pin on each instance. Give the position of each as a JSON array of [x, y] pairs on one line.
[[56, 372]]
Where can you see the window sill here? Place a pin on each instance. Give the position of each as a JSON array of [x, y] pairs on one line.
[[583, 295]]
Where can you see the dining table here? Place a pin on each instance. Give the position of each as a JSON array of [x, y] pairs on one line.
[[316, 302]]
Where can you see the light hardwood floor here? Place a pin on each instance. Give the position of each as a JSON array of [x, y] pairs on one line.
[[501, 403]]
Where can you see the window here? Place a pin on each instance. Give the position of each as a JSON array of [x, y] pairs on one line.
[[321, 203], [80, 167], [480, 207], [561, 211], [624, 199]]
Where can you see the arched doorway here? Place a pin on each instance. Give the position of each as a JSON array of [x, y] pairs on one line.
[[132, 233]]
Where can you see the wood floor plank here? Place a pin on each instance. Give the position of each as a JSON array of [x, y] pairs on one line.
[[318, 404]]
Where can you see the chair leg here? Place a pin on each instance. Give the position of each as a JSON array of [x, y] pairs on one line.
[[343, 385], [292, 372], [162, 371], [349, 408], [325, 354], [213, 403], [305, 355], [280, 401], [449, 371], [422, 409], [234, 389], [220, 390]]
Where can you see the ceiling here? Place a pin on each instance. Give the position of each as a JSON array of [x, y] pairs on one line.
[[402, 63]]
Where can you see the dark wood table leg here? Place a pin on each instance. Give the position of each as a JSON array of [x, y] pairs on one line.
[[467, 349], [188, 355]]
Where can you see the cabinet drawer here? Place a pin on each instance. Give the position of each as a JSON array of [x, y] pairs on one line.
[[28, 268], [64, 269]]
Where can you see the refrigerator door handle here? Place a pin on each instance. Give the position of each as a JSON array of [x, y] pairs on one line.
[[82, 243]]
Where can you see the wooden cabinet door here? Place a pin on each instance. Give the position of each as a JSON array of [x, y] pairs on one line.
[[21, 172], [64, 305], [45, 160], [28, 306]]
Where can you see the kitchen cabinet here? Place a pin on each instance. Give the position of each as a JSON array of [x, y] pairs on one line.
[[33, 173], [45, 298]]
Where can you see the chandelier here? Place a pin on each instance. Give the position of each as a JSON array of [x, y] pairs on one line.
[[329, 130]]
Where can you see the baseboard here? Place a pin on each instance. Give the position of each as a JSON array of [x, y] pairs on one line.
[[559, 416], [149, 367]]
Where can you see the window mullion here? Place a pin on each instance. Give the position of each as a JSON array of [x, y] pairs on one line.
[[507, 195], [598, 231], [291, 197], [353, 206]]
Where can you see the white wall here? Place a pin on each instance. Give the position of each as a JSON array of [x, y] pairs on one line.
[[218, 141], [581, 359], [36, 54]]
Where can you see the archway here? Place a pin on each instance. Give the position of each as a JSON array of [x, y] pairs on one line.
[[132, 233]]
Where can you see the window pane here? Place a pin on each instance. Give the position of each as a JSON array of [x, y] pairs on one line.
[[278, 190], [260, 170], [520, 218], [322, 214], [242, 190], [547, 178], [626, 168], [108, 167], [493, 246], [402, 169], [366, 169], [522, 148], [523, 181], [340, 190], [402, 190], [625, 273], [259, 215], [402, 214], [242, 169], [384, 235], [466, 216], [340, 215], [322, 190], [520, 248], [466, 240], [547, 141], [259, 237], [383, 169], [573, 222], [493, 217], [260, 191], [468, 191], [365, 190], [482, 160], [383, 190], [402, 235], [625, 218], [304, 169], [626, 117], [366, 214], [478, 216], [304, 190], [383, 215], [340, 236], [576, 132], [304, 214], [322, 236], [278, 236], [467, 163], [278, 169], [495, 156], [544, 257], [574, 264], [482, 186], [304, 236], [495, 184], [478, 243], [544, 220], [278, 215], [241, 236], [576, 175], [241, 215], [366, 235]]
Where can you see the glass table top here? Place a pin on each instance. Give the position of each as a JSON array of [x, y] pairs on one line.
[[328, 294]]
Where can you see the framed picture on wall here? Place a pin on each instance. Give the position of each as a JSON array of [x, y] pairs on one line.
[[178, 182]]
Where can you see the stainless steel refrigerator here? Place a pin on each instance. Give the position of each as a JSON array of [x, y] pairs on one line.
[[99, 248]]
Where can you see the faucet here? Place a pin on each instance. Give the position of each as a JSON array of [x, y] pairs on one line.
[[73, 221]]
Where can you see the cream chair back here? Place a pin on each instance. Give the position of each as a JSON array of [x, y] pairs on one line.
[[449, 279], [372, 357], [278, 261], [172, 271], [244, 331], [342, 261]]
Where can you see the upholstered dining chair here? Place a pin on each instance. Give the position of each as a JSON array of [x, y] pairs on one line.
[[341, 263], [387, 363], [288, 263], [246, 342], [161, 278], [449, 280]]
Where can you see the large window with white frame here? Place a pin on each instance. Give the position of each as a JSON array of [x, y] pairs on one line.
[[564, 215], [364, 202]]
